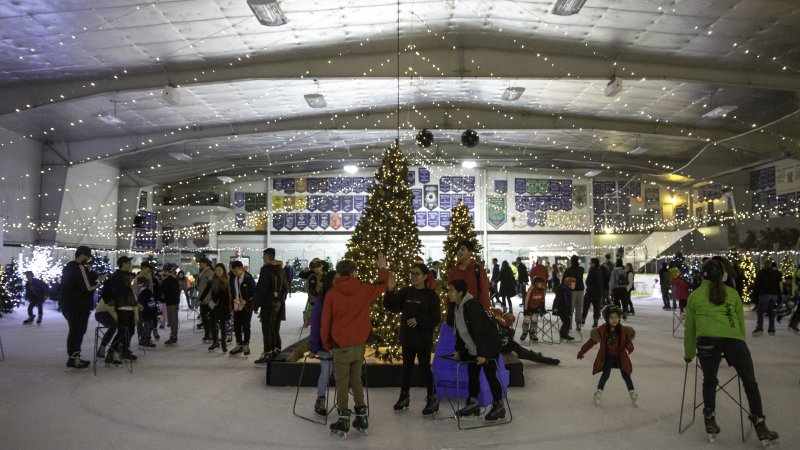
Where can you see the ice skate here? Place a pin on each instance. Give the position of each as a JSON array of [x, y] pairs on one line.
[[767, 437], [361, 422], [712, 429], [402, 402], [498, 411], [342, 426], [28, 321], [236, 350], [758, 332], [112, 360], [523, 336], [171, 341], [246, 349], [39, 320], [75, 362], [320, 408], [213, 346], [472, 408], [431, 405], [598, 397], [634, 397]]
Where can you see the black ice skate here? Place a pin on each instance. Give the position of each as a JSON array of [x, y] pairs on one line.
[[712, 429], [361, 422], [342, 426], [28, 321], [431, 405], [402, 402], [75, 362], [498, 411], [472, 408], [767, 437]]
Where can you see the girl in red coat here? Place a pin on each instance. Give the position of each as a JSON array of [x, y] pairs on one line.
[[616, 342], [680, 291]]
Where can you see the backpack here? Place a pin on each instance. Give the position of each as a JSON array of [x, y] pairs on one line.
[[622, 279]]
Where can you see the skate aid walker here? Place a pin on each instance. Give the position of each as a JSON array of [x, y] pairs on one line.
[[315, 418], [720, 387]]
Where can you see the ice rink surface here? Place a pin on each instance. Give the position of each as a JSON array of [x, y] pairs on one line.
[[184, 397]]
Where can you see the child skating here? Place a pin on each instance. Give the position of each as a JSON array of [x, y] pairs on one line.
[[534, 305], [616, 342]]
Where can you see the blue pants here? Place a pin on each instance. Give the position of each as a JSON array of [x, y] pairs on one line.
[[325, 371], [612, 362], [766, 304]]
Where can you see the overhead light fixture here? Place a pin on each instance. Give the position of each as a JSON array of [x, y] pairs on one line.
[[268, 12], [567, 7], [226, 179], [181, 156], [316, 100], [613, 87], [593, 173], [351, 168], [470, 138], [638, 151], [424, 138], [512, 93], [110, 119], [720, 111], [469, 164]]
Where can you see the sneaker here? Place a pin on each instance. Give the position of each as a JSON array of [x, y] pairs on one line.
[[598, 397], [246, 349], [634, 397], [758, 332], [236, 350]]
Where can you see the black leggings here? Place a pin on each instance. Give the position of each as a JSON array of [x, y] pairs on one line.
[[709, 353], [423, 355], [77, 322], [490, 370], [594, 302]]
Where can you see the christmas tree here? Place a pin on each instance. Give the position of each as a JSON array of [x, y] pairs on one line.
[[786, 266], [387, 225], [12, 289], [298, 284], [749, 270]]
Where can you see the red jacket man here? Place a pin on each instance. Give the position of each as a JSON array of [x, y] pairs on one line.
[[467, 269], [539, 270], [345, 316]]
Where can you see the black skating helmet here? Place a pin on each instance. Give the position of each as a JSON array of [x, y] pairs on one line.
[[609, 309], [712, 270]]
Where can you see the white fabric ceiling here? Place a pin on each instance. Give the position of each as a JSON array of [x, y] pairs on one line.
[[241, 85]]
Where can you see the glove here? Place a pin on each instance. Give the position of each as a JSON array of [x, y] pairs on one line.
[[580, 355]]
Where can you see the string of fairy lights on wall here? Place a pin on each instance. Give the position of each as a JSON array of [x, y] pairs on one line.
[[430, 160]]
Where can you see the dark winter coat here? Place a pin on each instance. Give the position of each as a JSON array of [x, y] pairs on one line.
[[116, 287], [171, 291], [77, 287], [421, 304], [272, 287], [483, 331], [600, 334], [36, 291], [522, 273], [508, 285], [768, 282], [247, 290], [577, 273], [594, 283], [221, 295], [562, 305]]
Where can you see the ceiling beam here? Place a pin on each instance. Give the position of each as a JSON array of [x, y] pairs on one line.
[[81, 151], [468, 62]]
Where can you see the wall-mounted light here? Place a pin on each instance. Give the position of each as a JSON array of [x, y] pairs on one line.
[[469, 164], [351, 168]]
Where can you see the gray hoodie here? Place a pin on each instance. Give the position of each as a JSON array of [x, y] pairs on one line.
[[461, 326]]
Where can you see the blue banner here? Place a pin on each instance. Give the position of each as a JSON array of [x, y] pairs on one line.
[[313, 185], [444, 184], [422, 219], [424, 175], [278, 221], [411, 178], [334, 184], [277, 184], [288, 185], [416, 199], [313, 221], [457, 184], [347, 203], [322, 185], [433, 218], [520, 203], [324, 203], [238, 199], [240, 219], [302, 220], [336, 203], [500, 186], [359, 202], [444, 218], [347, 185], [520, 185], [347, 221], [469, 200], [358, 185], [469, 184], [444, 201], [324, 221], [455, 199], [290, 221]]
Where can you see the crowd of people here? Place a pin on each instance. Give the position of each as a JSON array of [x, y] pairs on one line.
[[338, 314]]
